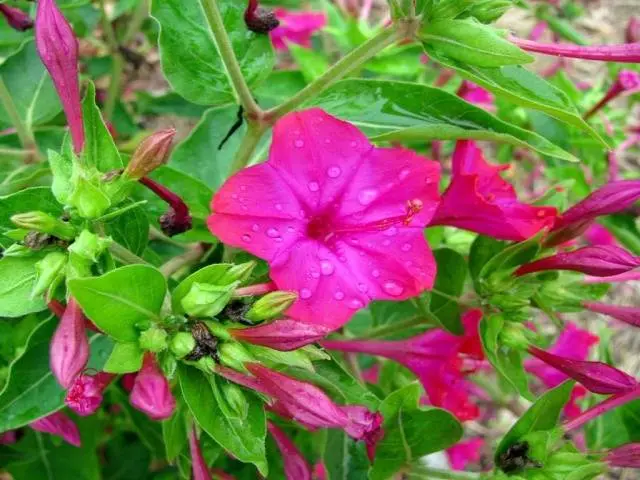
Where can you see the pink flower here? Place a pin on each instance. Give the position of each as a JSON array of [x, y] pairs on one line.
[[628, 81], [598, 235], [151, 393], [296, 27], [599, 261], [478, 199], [16, 18], [8, 438], [198, 464], [473, 93], [632, 33], [283, 335], [630, 315], [58, 49], [438, 358], [464, 453], [625, 456], [69, 348], [339, 221], [296, 466], [85, 395], [60, 425]]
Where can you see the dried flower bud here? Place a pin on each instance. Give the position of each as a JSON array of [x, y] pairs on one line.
[[69, 349], [44, 223], [61, 425], [173, 223], [272, 305], [16, 18], [151, 393], [258, 19], [152, 153], [177, 219], [85, 395]]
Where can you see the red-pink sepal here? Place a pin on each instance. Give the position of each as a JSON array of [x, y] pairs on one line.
[[69, 348], [625, 456], [58, 49], [296, 466], [151, 393], [198, 464], [16, 18], [597, 377], [60, 425], [284, 335], [598, 261], [630, 315], [85, 395]]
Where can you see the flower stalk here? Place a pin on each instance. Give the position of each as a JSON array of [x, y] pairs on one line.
[[625, 53], [600, 409]]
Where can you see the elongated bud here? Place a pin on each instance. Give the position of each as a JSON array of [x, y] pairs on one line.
[[272, 305], [626, 456], [85, 395], [597, 377], [632, 33], [259, 19], [154, 340], [284, 335], [630, 315], [238, 273], [627, 81], [599, 261], [49, 273], [69, 349], [177, 219], [16, 18], [198, 464], [182, 344], [58, 49], [151, 393], [60, 425], [236, 400], [626, 53], [152, 153], [206, 300], [234, 355], [44, 223], [296, 466]]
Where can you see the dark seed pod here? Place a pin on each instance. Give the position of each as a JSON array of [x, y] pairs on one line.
[[258, 19]]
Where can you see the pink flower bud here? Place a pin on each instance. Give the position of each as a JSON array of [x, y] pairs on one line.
[[58, 49], [58, 424], [69, 349], [628, 81], [199, 466], [8, 438], [283, 335], [597, 377], [151, 393], [153, 152], [632, 33], [630, 315], [625, 53], [599, 261], [625, 456], [296, 466], [85, 395], [16, 18]]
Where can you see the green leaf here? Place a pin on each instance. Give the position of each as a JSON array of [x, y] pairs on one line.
[[120, 299], [411, 432], [124, 358], [542, 416], [507, 361], [243, 438], [30, 86], [31, 199], [131, 229], [212, 274], [472, 43], [343, 457], [523, 88], [61, 165], [32, 392], [482, 250], [402, 111], [452, 274], [17, 279], [174, 433], [189, 55], [99, 149], [311, 63]]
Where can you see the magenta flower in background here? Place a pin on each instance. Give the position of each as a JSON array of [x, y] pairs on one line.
[[465, 452], [60, 425], [8, 438], [69, 348], [198, 464], [16, 18], [479, 200], [296, 466], [599, 261], [627, 82], [599, 235], [85, 394], [630, 315], [296, 27], [284, 335], [625, 456], [151, 393], [339, 221], [58, 49], [473, 93], [632, 32]]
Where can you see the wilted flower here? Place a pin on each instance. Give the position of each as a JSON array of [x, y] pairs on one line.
[[198, 464], [69, 348], [465, 452], [284, 335], [296, 466], [259, 19], [177, 219], [478, 199], [339, 221], [60, 425], [16, 18], [151, 393], [85, 394], [296, 27], [630, 315]]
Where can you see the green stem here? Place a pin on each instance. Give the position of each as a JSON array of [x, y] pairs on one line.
[[117, 65], [23, 131], [454, 299], [248, 146], [16, 152], [343, 67], [188, 258], [428, 473], [125, 255], [135, 22], [216, 24]]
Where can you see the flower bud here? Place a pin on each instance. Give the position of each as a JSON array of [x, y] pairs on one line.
[[198, 464], [153, 339], [153, 152], [272, 305], [89, 246], [69, 348], [50, 271], [58, 49], [234, 355], [259, 19], [85, 395], [182, 344], [625, 456], [295, 465], [16, 18], [60, 425], [236, 400], [630, 315], [206, 300], [283, 335], [151, 393], [238, 273], [44, 223], [514, 335], [632, 33]]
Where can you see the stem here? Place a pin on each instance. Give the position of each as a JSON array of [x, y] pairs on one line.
[[139, 16], [188, 258], [625, 53], [216, 24], [451, 298], [23, 131], [17, 152], [125, 255], [247, 147], [117, 65], [347, 64], [257, 289], [602, 408]]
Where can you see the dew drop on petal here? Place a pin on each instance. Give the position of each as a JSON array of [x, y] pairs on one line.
[[291, 229], [376, 273], [315, 274], [390, 232], [326, 267], [334, 172], [305, 293], [234, 195], [246, 238], [338, 295], [386, 243], [356, 304], [299, 143], [243, 188], [313, 186], [363, 287], [406, 247], [273, 233], [255, 227], [354, 144], [278, 206], [404, 173], [366, 196], [392, 288]]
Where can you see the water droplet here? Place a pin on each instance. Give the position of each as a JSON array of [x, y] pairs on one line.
[[313, 186], [356, 304], [354, 240], [244, 207], [392, 288], [408, 263], [255, 227], [246, 238], [342, 259], [390, 232], [327, 141], [278, 206], [366, 196], [291, 229], [299, 143], [234, 195], [375, 273], [334, 172], [315, 274], [326, 267], [354, 144], [305, 293], [404, 173], [243, 188], [362, 287], [273, 233], [406, 247], [386, 243], [338, 295]]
